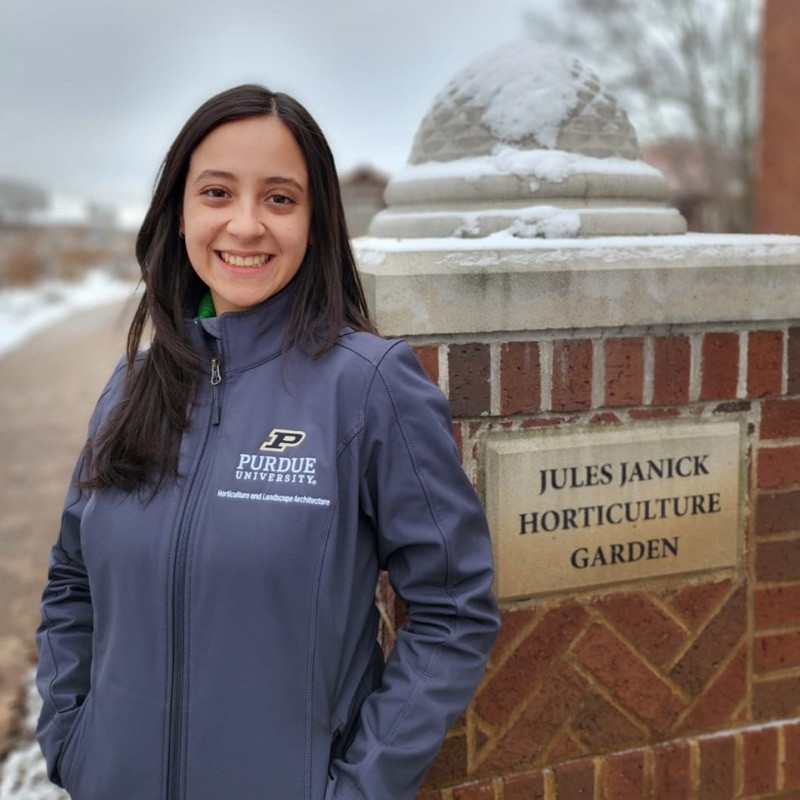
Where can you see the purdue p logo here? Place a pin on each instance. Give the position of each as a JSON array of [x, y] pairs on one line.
[[279, 439]]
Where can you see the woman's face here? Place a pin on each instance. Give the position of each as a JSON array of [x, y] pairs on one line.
[[246, 211]]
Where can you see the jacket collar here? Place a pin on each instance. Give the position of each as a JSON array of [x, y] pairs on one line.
[[246, 338]]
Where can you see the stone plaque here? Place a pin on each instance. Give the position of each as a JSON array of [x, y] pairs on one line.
[[570, 510]]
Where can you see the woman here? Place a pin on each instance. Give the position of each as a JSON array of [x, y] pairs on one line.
[[208, 626]]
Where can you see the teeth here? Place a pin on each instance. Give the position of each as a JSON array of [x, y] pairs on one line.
[[244, 261]]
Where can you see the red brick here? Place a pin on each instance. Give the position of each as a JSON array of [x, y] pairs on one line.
[[602, 727], [625, 776], [791, 749], [777, 512], [778, 561], [654, 413], [469, 369], [793, 365], [778, 159], [655, 633], [776, 699], [696, 601], [777, 605], [776, 651], [624, 371], [542, 718], [524, 787], [520, 378], [720, 366], [632, 681], [672, 777], [451, 762], [671, 370], [764, 363], [575, 780], [719, 702], [760, 761], [428, 355], [780, 419], [512, 622], [605, 418], [778, 467], [733, 407], [533, 658], [476, 791], [544, 422], [712, 647], [564, 748], [572, 375], [428, 796], [717, 768]]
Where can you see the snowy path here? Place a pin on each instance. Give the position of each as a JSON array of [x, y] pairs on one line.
[[58, 344]]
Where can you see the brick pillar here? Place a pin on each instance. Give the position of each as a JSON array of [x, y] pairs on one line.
[[682, 686], [779, 156]]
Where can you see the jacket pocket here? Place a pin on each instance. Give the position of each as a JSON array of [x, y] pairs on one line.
[[66, 759], [370, 680]]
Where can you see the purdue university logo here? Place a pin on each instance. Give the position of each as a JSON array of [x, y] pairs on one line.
[[280, 438]]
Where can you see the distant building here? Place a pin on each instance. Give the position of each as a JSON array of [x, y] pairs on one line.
[[683, 163], [362, 194], [778, 205]]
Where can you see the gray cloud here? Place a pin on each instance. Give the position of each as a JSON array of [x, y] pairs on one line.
[[93, 91]]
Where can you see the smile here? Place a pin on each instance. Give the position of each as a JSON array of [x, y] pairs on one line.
[[257, 260]]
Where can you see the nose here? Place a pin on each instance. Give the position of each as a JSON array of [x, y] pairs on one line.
[[245, 221]]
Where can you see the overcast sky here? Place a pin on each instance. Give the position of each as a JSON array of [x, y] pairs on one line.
[[93, 91]]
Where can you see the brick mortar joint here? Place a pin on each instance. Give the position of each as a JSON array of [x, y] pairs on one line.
[[694, 744], [633, 332]]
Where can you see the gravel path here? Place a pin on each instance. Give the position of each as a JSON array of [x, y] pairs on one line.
[[49, 389]]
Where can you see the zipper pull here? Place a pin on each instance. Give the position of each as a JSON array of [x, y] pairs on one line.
[[216, 380]]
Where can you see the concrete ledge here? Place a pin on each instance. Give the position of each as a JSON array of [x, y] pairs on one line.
[[421, 287]]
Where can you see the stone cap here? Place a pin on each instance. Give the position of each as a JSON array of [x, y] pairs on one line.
[[526, 139], [437, 287]]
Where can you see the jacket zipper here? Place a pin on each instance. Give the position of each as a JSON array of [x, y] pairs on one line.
[[176, 732], [216, 380]]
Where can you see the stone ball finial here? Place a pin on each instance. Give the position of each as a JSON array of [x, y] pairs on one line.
[[526, 140], [528, 97]]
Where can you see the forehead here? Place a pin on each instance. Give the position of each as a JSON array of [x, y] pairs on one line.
[[256, 146]]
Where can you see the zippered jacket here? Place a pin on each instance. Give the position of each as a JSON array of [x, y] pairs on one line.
[[218, 641]]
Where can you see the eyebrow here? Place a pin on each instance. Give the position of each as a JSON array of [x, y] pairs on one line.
[[229, 176]]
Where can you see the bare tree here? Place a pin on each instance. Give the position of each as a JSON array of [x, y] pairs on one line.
[[686, 69]]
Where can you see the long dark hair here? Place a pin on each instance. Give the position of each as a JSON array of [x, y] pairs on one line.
[[138, 446]]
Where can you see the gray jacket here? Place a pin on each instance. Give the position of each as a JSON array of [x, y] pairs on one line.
[[218, 642]]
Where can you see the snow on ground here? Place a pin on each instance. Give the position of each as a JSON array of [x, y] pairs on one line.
[[27, 310], [23, 312], [22, 775]]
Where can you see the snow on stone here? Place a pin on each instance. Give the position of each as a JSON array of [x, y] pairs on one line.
[[547, 222], [27, 310], [553, 166], [502, 250], [525, 91]]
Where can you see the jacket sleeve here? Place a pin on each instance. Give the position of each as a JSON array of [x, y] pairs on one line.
[[434, 542], [64, 636]]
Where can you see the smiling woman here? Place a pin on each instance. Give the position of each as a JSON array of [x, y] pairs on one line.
[[246, 211], [209, 627]]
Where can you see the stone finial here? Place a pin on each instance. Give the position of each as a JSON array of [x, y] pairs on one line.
[[527, 141]]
